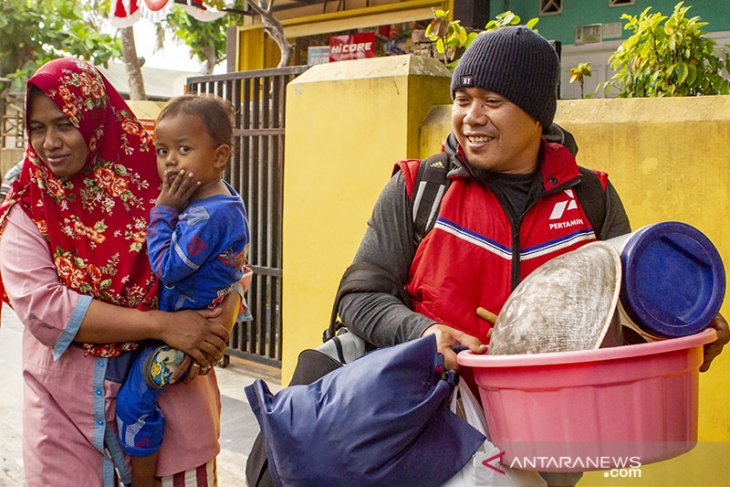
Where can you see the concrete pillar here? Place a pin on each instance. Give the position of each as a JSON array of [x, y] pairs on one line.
[[347, 123]]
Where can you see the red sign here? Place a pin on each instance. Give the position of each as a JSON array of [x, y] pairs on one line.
[[353, 46]]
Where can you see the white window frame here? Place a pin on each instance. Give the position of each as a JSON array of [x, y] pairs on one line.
[[621, 3], [544, 4]]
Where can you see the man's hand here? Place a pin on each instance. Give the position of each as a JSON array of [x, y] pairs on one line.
[[713, 349], [177, 189], [446, 337]]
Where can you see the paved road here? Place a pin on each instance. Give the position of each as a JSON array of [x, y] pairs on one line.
[[238, 425]]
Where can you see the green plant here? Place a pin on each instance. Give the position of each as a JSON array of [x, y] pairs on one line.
[[452, 39], [449, 37], [579, 74], [36, 31], [667, 56], [507, 19]]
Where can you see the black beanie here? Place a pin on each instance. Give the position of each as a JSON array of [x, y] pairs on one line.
[[517, 63]]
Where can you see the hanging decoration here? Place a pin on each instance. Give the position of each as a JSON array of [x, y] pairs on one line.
[[127, 12]]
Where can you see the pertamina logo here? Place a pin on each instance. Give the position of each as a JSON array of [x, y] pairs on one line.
[[561, 209]]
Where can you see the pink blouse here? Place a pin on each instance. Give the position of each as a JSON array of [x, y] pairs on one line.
[[69, 424]]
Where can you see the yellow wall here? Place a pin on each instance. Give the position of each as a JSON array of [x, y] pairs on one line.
[[347, 123], [669, 159], [251, 49]]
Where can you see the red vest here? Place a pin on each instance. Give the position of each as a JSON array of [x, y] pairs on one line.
[[466, 260]]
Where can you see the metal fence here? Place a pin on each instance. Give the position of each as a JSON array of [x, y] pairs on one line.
[[257, 173], [11, 122]]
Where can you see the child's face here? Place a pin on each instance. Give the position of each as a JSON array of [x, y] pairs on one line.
[[183, 143]]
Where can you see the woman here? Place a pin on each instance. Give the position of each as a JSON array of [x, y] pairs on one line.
[[74, 265]]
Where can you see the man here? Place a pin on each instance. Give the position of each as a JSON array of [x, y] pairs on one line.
[[505, 183]]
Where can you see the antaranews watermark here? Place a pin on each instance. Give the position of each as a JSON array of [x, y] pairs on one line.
[[575, 463], [704, 465], [623, 473]]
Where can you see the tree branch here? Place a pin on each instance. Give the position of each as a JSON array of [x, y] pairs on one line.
[[273, 27], [133, 64]]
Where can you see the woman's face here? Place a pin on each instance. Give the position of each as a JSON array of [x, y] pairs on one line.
[[58, 143]]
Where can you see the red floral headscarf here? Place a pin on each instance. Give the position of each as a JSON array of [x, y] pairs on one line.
[[94, 221]]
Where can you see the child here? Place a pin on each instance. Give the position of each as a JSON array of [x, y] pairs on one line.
[[197, 242]]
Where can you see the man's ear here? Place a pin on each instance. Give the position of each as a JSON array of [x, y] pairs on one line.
[[538, 128], [222, 156]]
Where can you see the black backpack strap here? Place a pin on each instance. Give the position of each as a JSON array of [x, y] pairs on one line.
[[363, 277], [592, 198], [430, 185]]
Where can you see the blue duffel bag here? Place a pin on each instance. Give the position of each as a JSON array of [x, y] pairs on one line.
[[381, 420]]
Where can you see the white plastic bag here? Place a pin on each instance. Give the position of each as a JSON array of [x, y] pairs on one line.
[[481, 470]]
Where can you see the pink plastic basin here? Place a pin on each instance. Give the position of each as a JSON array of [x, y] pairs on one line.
[[592, 410]]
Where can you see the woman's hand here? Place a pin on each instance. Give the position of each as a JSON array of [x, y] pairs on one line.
[[713, 349], [188, 370], [204, 338], [200, 334], [182, 371], [446, 337]]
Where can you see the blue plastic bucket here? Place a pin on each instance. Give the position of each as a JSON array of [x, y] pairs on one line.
[[673, 281]]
